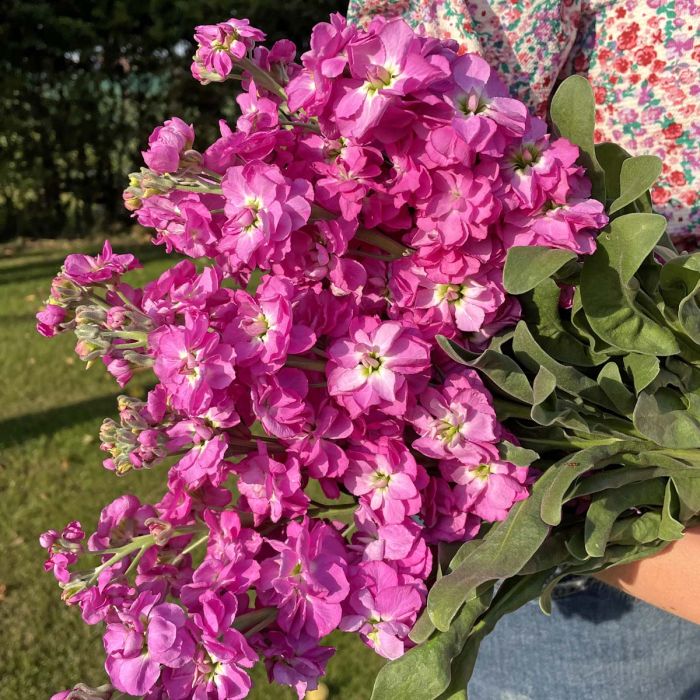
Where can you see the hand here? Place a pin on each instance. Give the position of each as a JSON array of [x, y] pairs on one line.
[[670, 580]]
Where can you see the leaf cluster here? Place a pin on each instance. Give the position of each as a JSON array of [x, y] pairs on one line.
[[604, 398]]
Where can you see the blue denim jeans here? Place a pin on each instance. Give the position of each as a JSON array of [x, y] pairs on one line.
[[598, 644]]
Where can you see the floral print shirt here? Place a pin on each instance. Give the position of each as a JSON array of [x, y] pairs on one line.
[[641, 56]]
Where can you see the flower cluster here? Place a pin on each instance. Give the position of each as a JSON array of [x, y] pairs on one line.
[[362, 206]]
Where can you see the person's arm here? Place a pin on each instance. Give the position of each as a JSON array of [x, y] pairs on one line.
[[669, 580]]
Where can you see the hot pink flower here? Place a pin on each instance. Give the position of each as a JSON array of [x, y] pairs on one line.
[[50, 318], [261, 334], [457, 419], [380, 609], [388, 64], [166, 145], [387, 479], [257, 113], [271, 489], [370, 367], [120, 521], [135, 651], [220, 46], [485, 115], [183, 222], [307, 579], [86, 270], [489, 489], [192, 362], [263, 208], [297, 662]]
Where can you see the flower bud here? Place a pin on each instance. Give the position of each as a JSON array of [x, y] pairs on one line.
[[161, 530], [84, 692]]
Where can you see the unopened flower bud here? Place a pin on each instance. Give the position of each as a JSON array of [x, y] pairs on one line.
[[84, 692], [161, 530], [85, 315]]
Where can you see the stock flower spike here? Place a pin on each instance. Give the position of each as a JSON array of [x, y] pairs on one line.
[[361, 235]]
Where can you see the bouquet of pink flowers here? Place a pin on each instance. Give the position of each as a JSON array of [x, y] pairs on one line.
[[405, 386]]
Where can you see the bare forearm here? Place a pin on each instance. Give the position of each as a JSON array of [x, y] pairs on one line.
[[670, 580]]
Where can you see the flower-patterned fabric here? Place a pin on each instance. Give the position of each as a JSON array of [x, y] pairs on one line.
[[641, 56]]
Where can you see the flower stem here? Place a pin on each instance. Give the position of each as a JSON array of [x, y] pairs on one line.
[[382, 241], [305, 363]]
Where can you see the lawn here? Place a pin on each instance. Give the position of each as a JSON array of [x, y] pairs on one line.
[[51, 472]]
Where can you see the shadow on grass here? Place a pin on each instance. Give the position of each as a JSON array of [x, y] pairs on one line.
[[14, 431]]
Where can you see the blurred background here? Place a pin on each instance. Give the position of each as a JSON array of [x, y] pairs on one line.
[[82, 85]]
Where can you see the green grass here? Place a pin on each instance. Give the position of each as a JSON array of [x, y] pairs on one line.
[[51, 473]]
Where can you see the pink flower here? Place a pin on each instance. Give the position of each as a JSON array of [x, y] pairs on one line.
[[166, 145], [307, 579], [263, 208], [489, 489], [64, 549], [537, 170], [387, 479], [445, 516], [279, 402], [298, 662], [135, 650], [485, 115], [192, 362], [257, 113], [220, 46], [86, 270], [50, 318], [400, 544], [571, 225], [448, 306], [457, 419], [261, 333], [183, 222], [370, 367], [387, 65], [380, 609], [271, 489], [120, 521]]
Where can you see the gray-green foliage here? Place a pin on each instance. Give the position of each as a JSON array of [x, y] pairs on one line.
[[604, 399]]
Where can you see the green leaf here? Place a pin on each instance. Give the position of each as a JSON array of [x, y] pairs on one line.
[[642, 368], [567, 470], [610, 381], [556, 336], [662, 415], [606, 507], [527, 266], [611, 157], [517, 455], [573, 114], [529, 353], [680, 287], [609, 299], [688, 490], [504, 372], [670, 528], [425, 671], [503, 552], [644, 528], [422, 629], [637, 175]]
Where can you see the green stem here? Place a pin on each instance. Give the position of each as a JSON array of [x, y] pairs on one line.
[[305, 363], [190, 547], [263, 78], [382, 241]]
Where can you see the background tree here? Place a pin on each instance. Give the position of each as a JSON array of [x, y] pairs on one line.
[[83, 83]]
